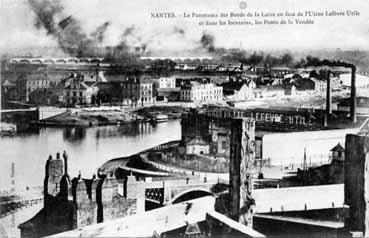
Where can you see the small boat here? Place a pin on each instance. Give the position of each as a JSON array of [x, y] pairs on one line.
[[161, 118], [7, 130]]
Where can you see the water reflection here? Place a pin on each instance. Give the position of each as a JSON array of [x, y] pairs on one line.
[[126, 130], [88, 148], [74, 135]]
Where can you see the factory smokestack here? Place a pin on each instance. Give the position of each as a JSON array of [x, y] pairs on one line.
[[312, 61], [328, 100], [353, 95]]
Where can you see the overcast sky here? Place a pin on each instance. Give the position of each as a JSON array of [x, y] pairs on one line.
[[17, 28]]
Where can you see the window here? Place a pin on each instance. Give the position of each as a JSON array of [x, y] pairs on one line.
[[224, 145]]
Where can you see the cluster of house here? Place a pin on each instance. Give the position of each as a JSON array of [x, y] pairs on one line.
[[209, 67], [94, 88], [292, 84]]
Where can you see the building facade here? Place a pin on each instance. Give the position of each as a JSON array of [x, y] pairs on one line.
[[138, 91], [320, 86], [239, 91], [167, 82], [35, 82], [80, 92], [201, 93]]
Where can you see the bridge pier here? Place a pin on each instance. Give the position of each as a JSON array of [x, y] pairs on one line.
[[241, 169], [357, 184]]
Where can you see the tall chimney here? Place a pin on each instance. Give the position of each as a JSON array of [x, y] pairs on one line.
[[353, 95], [329, 99]]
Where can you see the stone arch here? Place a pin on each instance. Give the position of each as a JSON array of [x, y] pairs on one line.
[[24, 61], [37, 61], [73, 61], [49, 61], [84, 60], [61, 61], [190, 194], [95, 61]]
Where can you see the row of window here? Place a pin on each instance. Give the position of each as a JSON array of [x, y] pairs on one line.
[[74, 94], [43, 82]]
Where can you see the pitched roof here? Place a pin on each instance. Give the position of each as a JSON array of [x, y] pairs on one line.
[[7, 83], [232, 85], [84, 85], [197, 140], [338, 147], [36, 77]]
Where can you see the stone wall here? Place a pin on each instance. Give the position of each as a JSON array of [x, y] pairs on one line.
[[241, 149], [113, 204], [86, 202], [81, 202], [242, 157]]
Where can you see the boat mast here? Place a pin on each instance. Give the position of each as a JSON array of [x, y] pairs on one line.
[[1, 65]]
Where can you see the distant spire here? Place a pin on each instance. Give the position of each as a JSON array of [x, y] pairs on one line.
[[305, 164]]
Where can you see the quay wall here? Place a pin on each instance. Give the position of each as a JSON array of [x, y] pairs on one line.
[[286, 148]]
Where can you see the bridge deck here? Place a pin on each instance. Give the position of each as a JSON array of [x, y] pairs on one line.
[[143, 172], [298, 198], [327, 224]]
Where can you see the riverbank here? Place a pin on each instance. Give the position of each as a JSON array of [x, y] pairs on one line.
[[88, 117], [83, 118], [144, 160]]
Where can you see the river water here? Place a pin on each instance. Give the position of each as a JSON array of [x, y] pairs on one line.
[[88, 148]]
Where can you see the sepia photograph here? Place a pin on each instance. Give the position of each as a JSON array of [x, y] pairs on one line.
[[184, 118]]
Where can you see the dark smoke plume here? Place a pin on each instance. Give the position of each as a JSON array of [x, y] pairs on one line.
[[72, 38], [207, 42], [99, 33], [314, 61], [45, 14]]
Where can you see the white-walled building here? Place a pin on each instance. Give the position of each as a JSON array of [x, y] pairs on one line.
[[138, 90], [201, 92], [35, 82], [320, 86], [185, 67], [80, 91], [167, 82], [239, 90], [197, 146]]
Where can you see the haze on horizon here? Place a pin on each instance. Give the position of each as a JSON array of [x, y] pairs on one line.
[[181, 36]]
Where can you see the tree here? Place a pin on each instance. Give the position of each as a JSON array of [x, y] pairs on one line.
[[313, 74], [301, 63], [287, 59], [269, 62]]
